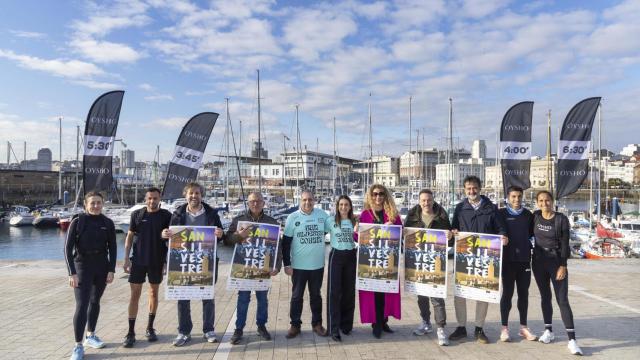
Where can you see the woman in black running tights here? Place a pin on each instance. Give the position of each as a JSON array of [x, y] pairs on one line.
[[551, 231], [90, 252]]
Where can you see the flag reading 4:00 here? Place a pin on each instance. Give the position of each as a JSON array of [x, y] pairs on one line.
[[190, 263], [478, 264], [255, 258], [378, 256], [425, 262]]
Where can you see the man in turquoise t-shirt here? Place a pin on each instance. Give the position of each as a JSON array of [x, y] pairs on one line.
[[303, 258]]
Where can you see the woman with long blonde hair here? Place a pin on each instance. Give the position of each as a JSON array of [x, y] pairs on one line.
[[376, 307]]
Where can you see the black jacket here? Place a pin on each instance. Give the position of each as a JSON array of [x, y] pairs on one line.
[[179, 216], [231, 238], [561, 224], [484, 220], [440, 221], [519, 231]]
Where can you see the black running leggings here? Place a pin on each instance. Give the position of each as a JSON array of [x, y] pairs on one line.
[[544, 270], [518, 273], [92, 280]]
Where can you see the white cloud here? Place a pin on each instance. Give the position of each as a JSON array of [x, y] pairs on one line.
[[73, 69], [102, 25], [420, 47], [159, 97], [169, 123], [105, 51], [28, 34], [311, 32], [481, 8], [408, 14], [98, 84], [146, 87], [370, 10]]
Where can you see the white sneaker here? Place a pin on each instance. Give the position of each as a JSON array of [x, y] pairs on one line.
[[443, 339], [211, 337], [93, 341], [547, 337], [574, 349], [424, 328], [504, 335]]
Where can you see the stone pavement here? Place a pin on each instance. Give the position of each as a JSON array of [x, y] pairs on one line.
[[37, 308]]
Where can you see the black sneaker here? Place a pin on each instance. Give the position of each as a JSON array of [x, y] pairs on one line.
[[480, 336], [129, 340], [151, 335], [459, 333], [386, 328], [264, 334], [236, 337]]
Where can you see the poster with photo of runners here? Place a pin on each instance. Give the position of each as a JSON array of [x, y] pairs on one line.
[[254, 258], [378, 257], [478, 264], [190, 263], [425, 262]]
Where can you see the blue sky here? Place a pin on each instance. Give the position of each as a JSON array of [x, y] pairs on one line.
[[177, 58]]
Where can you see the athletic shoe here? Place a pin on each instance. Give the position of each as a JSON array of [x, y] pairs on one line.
[[236, 337], [459, 333], [527, 334], [547, 337], [181, 339], [129, 340], [424, 328], [574, 349], [481, 337], [264, 334], [78, 352], [210, 336], [504, 335], [442, 337], [93, 341], [151, 336]]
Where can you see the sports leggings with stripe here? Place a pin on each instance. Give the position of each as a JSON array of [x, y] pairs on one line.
[[92, 280], [544, 271]]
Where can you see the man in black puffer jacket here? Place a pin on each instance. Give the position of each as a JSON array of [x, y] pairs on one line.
[[430, 215]]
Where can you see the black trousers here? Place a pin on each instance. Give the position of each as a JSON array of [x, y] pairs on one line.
[[545, 266], [92, 280], [518, 273], [341, 290], [300, 279]]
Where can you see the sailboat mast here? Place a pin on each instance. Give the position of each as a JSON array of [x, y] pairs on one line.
[[60, 168], [410, 175], [77, 159], [549, 172], [259, 140], [226, 177], [298, 165], [335, 159], [599, 162], [370, 145], [449, 156]]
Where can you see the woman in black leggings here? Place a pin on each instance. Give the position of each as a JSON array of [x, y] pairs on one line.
[[551, 230], [90, 252]]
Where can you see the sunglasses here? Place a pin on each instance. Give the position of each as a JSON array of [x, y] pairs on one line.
[[374, 194]]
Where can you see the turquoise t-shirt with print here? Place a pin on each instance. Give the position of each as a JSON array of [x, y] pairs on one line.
[[341, 236], [307, 231]]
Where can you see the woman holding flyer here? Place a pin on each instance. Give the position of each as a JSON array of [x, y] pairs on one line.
[[341, 293], [551, 231], [90, 250], [376, 307]]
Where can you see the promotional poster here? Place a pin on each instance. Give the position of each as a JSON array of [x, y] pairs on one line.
[[478, 264], [190, 263], [378, 256], [255, 258], [425, 262]]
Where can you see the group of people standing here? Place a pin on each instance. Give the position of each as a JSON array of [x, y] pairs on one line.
[[90, 252]]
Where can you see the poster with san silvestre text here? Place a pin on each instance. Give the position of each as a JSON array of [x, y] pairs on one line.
[[378, 257], [478, 264], [191, 263]]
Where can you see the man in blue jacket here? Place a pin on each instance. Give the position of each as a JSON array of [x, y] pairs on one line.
[[475, 214]]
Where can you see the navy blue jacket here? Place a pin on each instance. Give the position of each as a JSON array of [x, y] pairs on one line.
[[484, 220], [519, 230]]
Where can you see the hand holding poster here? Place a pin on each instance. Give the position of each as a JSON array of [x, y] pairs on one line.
[[478, 264], [255, 258], [378, 255], [190, 263], [425, 262]]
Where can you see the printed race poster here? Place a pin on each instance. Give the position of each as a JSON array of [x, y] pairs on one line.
[[378, 254], [425, 262], [255, 258], [478, 264], [190, 263]]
